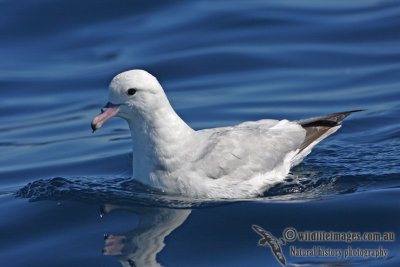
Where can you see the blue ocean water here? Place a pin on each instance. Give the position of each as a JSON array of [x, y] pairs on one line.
[[66, 195]]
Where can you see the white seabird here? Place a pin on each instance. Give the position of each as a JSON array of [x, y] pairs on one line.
[[229, 162]]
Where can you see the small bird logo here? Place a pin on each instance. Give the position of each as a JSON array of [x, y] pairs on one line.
[[273, 242]]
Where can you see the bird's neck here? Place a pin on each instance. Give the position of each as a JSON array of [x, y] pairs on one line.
[[158, 139]]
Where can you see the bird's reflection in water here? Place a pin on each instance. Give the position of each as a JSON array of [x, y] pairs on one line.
[[140, 246]]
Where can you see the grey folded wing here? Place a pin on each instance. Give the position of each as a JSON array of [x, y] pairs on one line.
[[246, 149]]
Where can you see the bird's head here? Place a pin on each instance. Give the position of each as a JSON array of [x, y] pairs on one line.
[[132, 93]]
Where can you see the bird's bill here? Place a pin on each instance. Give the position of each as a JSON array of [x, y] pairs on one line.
[[110, 111]]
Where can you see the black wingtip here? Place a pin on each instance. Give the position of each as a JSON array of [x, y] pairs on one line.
[[347, 113], [356, 110]]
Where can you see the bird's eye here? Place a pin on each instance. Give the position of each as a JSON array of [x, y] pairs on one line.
[[131, 91]]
